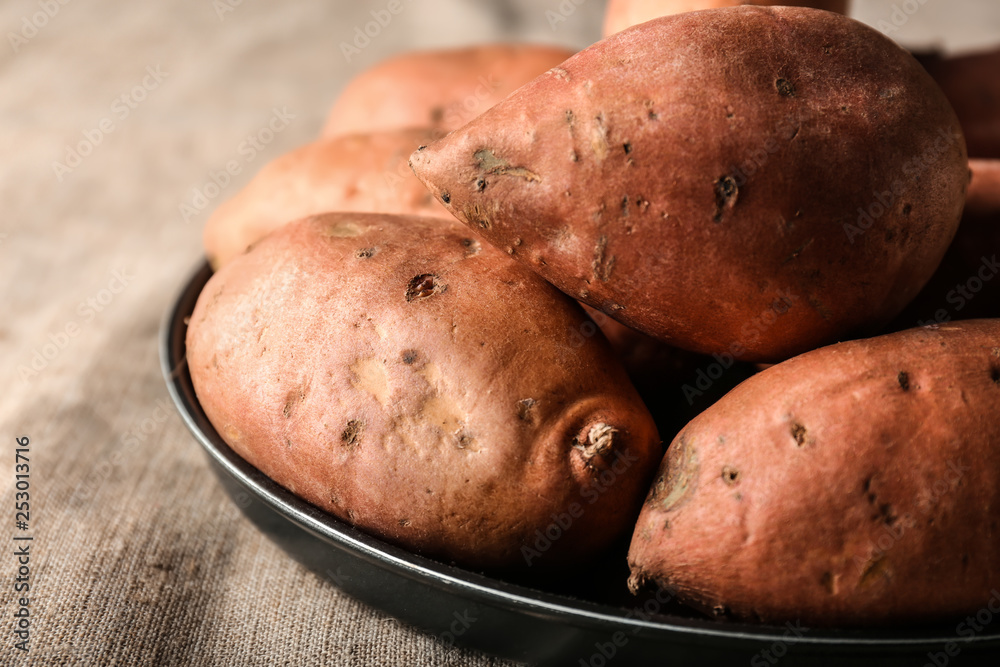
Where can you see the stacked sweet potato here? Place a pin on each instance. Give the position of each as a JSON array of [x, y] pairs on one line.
[[754, 184]]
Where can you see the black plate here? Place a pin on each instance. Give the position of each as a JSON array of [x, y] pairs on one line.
[[556, 620]]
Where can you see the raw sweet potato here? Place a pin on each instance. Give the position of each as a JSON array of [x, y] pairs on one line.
[[423, 386], [856, 484], [754, 181], [363, 172], [967, 284], [442, 89], [972, 86], [622, 14]]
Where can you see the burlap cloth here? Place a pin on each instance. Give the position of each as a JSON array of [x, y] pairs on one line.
[[138, 556]]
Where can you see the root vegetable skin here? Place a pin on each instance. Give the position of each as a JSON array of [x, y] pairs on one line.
[[442, 89], [400, 375], [967, 283], [623, 14], [364, 173], [690, 175], [853, 485]]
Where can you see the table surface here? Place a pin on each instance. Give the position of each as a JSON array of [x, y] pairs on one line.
[[137, 556]]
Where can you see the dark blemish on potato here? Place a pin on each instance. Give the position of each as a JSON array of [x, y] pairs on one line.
[[795, 133], [625, 206], [904, 380], [785, 88], [569, 117], [420, 148], [799, 433], [886, 514], [293, 397], [409, 357], [491, 164], [480, 184], [867, 486], [437, 115], [351, 436], [798, 251], [906, 209], [726, 195], [720, 610], [288, 443], [829, 582], [820, 308], [478, 215], [404, 522], [730, 476], [676, 487], [472, 247], [602, 265], [423, 286], [351, 515], [365, 253], [573, 157], [627, 147], [464, 440], [445, 197], [875, 568], [995, 375], [526, 409], [827, 49]]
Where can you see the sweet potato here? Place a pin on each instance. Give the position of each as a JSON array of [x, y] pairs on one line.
[[406, 378], [856, 484], [967, 283], [622, 14], [442, 89], [364, 172], [754, 181], [971, 84]]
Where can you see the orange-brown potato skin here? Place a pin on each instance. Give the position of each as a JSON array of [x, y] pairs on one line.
[[966, 285], [441, 89], [622, 14], [971, 84], [400, 375], [365, 173], [853, 485], [716, 179]]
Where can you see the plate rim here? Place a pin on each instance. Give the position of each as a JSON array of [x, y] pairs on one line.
[[476, 586]]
